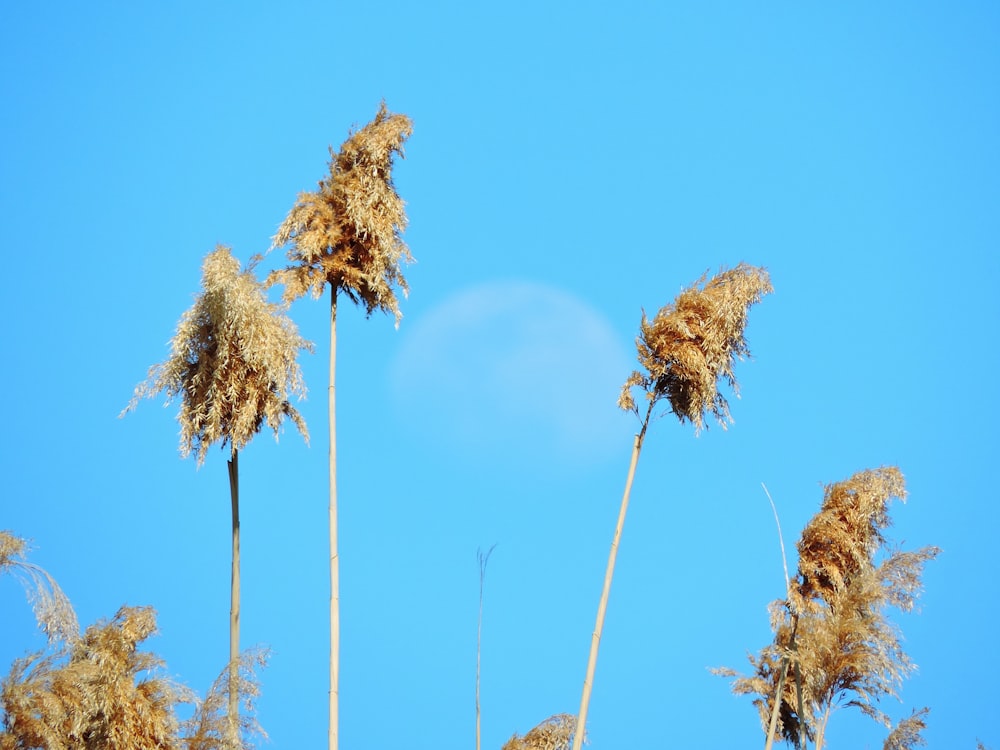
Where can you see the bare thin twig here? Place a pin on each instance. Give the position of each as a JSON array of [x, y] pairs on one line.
[[781, 541], [483, 560]]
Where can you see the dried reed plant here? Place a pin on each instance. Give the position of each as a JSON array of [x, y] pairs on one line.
[[906, 734], [100, 691], [693, 342], [100, 695], [52, 608], [555, 733], [208, 728], [233, 363], [834, 625], [348, 234], [685, 349]]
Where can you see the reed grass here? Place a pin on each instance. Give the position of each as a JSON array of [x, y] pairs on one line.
[[233, 364], [209, 727], [348, 234], [684, 350], [102, 693], [53, 611], [834, 625]]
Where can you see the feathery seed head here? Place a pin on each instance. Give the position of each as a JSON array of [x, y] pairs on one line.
[[53, 611], [348, 233], [908, 732], [11, 549], [209, 727], [101, 695], [840, 541], [232, 362], [834, 624], [694, 341], [555, 733]]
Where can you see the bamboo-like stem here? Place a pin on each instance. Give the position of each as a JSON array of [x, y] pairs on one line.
[[334, 556], [595, 641], [234, 604], [483, 560]]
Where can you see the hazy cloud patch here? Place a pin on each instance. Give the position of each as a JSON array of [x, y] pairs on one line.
[[514, 367]]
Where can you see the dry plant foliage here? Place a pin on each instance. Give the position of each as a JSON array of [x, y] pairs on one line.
[[209, 727], [555, 733], [52, 608], [906, 735], [98, 691], [232, 362], [847, 650], [101, 696], [694, 341], [348, 232]]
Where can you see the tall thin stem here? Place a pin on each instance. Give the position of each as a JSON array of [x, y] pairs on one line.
[[776, 709], [595, 642], [781, 539], [334, 556], [234, 603], [483, 560]]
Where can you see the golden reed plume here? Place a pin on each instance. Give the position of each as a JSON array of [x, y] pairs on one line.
[[833, 628]]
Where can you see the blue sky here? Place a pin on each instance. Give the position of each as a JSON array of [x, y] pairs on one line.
[[571, 164]]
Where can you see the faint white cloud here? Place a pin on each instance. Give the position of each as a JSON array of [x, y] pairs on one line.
[[514, 367]]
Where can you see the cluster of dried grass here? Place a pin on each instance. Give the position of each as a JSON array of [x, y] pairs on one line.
[[555, 733], [833, 629], [209, 728], [96, 697], [693, 342], [232, 361], [99, 690], [348, 232], [52, 609]]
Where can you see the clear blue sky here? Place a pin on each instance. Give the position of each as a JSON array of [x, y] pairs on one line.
[[571, 164]]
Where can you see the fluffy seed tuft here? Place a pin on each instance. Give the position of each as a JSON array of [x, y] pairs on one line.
[[348, 233], [693, 342], [232, 362]]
